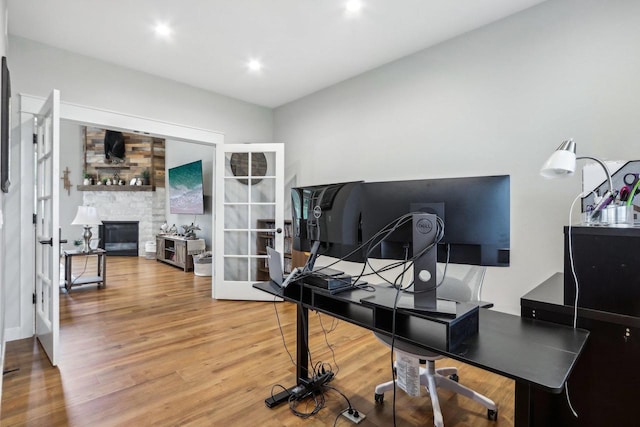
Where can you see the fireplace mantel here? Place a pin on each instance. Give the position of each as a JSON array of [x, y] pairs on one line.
[[116, 188]]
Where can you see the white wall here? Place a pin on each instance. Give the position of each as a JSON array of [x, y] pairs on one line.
[[71, 156], [36, 69], [178, 153], [497, 100], [3, 52]]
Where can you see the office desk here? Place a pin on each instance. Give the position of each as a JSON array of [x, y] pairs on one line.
[[101, 275], [534, 353]]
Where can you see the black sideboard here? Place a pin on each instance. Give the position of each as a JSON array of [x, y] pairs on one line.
[[607, 264], [603, 386]]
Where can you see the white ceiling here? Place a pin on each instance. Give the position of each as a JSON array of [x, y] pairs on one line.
[[305, 45]]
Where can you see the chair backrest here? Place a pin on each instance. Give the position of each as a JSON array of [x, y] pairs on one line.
[[462, 283]]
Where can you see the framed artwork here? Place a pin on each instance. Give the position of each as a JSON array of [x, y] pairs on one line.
[[5, 127]]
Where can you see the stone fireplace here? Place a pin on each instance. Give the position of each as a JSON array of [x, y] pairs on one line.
[[147, 208], [144, 204]]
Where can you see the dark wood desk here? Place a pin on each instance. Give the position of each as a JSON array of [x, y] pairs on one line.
[[100, 278], [536, 354]]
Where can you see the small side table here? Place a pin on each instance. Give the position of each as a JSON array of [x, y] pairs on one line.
[[100, 279]]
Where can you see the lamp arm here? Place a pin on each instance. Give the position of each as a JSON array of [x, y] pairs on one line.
[[604, 166]]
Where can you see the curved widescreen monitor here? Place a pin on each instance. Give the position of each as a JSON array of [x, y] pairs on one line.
[[475, 212], [186, 194]]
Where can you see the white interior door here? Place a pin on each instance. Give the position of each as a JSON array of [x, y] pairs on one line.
[[47, 274], [249, 188]]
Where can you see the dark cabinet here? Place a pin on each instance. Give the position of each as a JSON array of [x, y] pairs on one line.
[[603, 387]]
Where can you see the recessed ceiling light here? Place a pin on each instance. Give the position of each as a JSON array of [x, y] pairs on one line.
[[162, 30], [353, 6], [254, 65]]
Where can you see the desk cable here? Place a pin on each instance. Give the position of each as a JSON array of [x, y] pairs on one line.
[[399, 289], [577, 286], [322, 373]]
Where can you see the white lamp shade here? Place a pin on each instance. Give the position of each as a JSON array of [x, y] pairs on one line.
[[559, 164], [562, 162], [86, 215]]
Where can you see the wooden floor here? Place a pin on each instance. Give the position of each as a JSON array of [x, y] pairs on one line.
[[153, 349]]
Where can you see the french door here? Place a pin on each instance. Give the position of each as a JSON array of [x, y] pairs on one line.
[[47, 275], [249, 194]]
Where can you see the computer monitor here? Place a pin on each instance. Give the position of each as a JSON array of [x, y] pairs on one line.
[[475, 212], [328, 215]]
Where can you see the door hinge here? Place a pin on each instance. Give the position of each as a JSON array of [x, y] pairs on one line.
[[33, 301], [35, 218], [35, 138]]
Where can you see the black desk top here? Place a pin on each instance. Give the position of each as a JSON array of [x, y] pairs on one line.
[[530, 351]]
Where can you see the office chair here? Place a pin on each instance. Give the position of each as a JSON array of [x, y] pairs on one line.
[[462, 283]]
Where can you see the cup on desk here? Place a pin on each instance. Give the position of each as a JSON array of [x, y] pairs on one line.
[[611, 215]]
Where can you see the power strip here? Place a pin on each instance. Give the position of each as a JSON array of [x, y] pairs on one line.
[[352, 418]]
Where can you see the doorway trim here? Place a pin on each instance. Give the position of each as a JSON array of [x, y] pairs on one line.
[[90, 116]]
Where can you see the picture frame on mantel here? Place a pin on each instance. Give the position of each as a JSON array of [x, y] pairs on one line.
[[5, 127]]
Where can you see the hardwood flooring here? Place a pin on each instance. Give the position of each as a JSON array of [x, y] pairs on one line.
[[153, 349]]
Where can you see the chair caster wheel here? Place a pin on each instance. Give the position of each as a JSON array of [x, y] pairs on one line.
[[492, 414], [379, 398], [454, 377]]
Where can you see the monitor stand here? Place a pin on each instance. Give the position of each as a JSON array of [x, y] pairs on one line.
[[442, 307], [425, 228]]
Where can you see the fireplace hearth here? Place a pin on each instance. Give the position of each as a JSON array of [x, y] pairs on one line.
[[119, 238]]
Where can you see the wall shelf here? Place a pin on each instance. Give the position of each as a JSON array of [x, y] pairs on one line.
[[115, 188], [116, 166]]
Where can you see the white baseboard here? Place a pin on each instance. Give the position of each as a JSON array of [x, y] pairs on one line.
[[13, 334]]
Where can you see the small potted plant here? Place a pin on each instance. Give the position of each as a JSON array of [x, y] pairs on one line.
[[88, 180]]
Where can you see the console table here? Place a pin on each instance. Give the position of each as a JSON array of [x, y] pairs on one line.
[[176, 250], [537, 355], [100, 278]]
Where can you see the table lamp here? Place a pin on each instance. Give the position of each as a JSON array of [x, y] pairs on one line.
[[562, 163], [86, 216]]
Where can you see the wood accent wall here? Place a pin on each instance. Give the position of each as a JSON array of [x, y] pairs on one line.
[[142, 152]]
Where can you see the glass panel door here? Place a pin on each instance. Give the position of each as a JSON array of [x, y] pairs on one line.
[[249, 216]]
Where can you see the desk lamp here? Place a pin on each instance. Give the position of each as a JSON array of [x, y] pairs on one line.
[[562, 162], [86, 216]]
